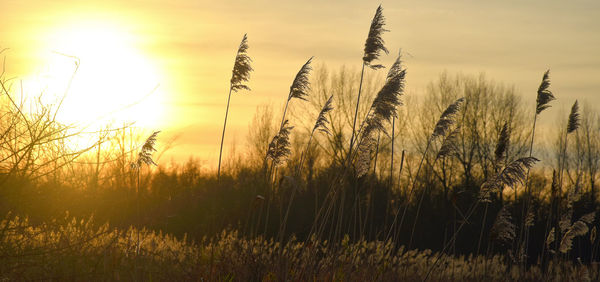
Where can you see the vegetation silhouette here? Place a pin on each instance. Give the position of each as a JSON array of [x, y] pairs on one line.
[[306, 206]]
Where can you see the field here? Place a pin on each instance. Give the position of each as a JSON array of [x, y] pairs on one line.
[[354, 180]]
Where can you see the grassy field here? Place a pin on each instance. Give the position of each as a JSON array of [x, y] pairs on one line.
[[71, 249], [350, 185]]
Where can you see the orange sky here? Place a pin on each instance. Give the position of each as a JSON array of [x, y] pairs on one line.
[[187, 48]]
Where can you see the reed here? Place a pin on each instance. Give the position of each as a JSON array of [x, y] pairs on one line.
[[544, 97], [499, 155], [441, 127], [512, 174], [383, 110], [572, 125], [374, 45], [144, 158], [279, 148], [321, 126], [240, 75], [299, 88]]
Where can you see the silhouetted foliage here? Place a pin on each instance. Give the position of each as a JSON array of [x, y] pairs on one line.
[[375, 44]]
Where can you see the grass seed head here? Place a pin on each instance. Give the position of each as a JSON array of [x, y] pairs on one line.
[[241, 68]]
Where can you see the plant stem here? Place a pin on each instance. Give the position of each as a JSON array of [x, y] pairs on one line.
[[362, 72], [137, 245], [284, 112], [299, 169], [409, 194], [559, 195], [223, 135], [376, 155], [527, 202], [392, 155]]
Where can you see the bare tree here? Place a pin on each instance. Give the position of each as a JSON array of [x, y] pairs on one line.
[[260, 130], [488, 106], [342, 84], [587, 147]]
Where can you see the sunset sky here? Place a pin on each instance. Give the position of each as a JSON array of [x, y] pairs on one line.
[[167, 64]]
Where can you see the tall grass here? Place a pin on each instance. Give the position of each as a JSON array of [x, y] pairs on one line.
[[144, 157], [320, 125], [572, 125], [544, 97], [382, 111], [240, 75], [332, 245], [374, 45], [77, 249], [442, 126], [279, 148], [299, 88]]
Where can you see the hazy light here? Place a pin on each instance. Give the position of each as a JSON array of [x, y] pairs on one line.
[[113, 80]]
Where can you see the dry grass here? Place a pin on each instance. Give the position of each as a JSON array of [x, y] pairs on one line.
[[82, 250]]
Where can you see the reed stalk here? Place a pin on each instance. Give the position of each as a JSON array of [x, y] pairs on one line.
[[240, 75]]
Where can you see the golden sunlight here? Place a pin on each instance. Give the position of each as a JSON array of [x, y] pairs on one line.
[[192, 140], [100, 73]]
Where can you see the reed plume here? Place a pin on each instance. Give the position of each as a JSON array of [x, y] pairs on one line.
[[322, 121], [301, 85], [574, 118], [382, 109], [572, 125], [241, 67], [277, 152], [554, 187], [449, 144], [363, 161], [579, 228], [447, 119], [385, 104], [588, 218], [279, 148], [373, 47], [502, 145], [320, 125], [144, 157], [530, 219], [145, 154], [553, 218], [375, 44], [503, 230], [240, 75], [299, 88], [512, 174], [565, 221], [388, 98], [544, 96]]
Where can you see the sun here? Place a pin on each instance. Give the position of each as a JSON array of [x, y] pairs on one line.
[[98, 72]]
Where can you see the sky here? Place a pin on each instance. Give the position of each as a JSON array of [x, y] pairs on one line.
[[166, 64]]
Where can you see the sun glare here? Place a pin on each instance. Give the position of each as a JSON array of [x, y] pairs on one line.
[[103, 74]]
